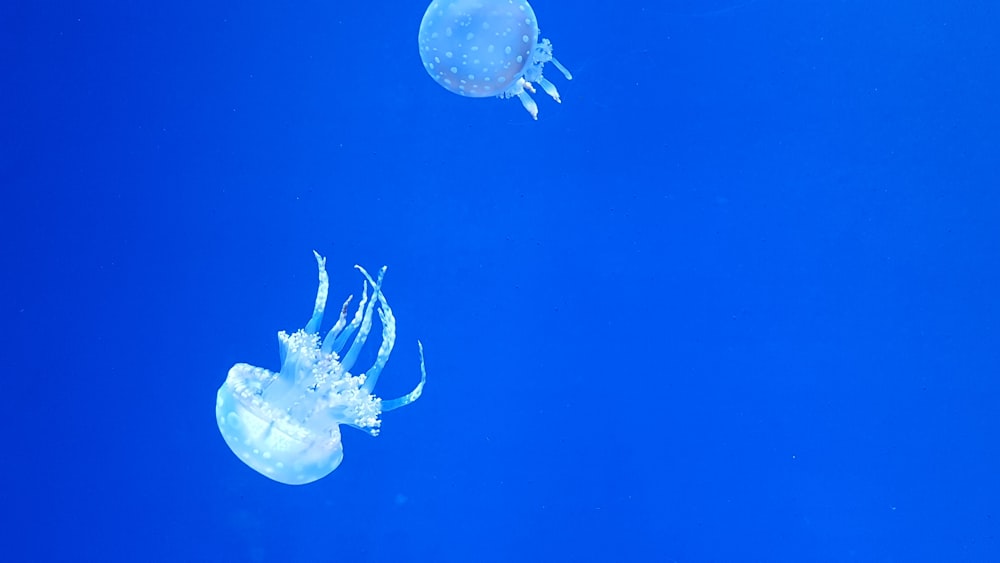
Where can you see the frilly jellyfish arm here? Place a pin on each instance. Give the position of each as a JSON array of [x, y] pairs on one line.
[[337, 339], [393, 404], [337, 327], [388, 333], [523, 87], [565, 71], [366, 322], [312, 327], [286, 424]]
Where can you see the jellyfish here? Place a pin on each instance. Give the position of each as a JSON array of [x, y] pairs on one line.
[[286, 425], [483, 48]]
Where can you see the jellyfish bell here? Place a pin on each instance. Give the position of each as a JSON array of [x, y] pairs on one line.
[[484, 48]]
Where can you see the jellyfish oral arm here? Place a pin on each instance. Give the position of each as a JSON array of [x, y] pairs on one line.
[[565, 71], [393, 404], [312, 327], [526, 100]]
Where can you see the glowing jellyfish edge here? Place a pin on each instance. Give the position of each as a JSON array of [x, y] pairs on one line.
[[483, 48], [286, 425]]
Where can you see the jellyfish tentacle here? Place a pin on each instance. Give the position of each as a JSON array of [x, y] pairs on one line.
[[388, 341], [565, 71], [392, 404], [341, 339], [331, 336], [366, 322], [526, 100], [312, 327], [549, 88]]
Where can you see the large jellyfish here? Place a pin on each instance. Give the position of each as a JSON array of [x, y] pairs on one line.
[[286, 425], [483, 48]]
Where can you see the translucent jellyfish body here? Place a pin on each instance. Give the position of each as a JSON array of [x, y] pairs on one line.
[[286, 425], [483, 48]]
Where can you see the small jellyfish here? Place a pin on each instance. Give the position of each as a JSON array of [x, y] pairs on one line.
[[483, 48], [286, 425]]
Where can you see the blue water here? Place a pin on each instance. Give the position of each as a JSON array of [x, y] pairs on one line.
[[735, 299]]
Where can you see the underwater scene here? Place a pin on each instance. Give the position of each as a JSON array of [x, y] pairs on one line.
[[499, 281]]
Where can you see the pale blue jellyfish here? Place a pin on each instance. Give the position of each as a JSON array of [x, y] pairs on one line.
[[483, 48], [286, 425]]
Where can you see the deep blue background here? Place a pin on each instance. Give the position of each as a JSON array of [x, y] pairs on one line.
[[734, 300]]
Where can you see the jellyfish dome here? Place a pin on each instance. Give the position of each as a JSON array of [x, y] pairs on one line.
[[484, 48]]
